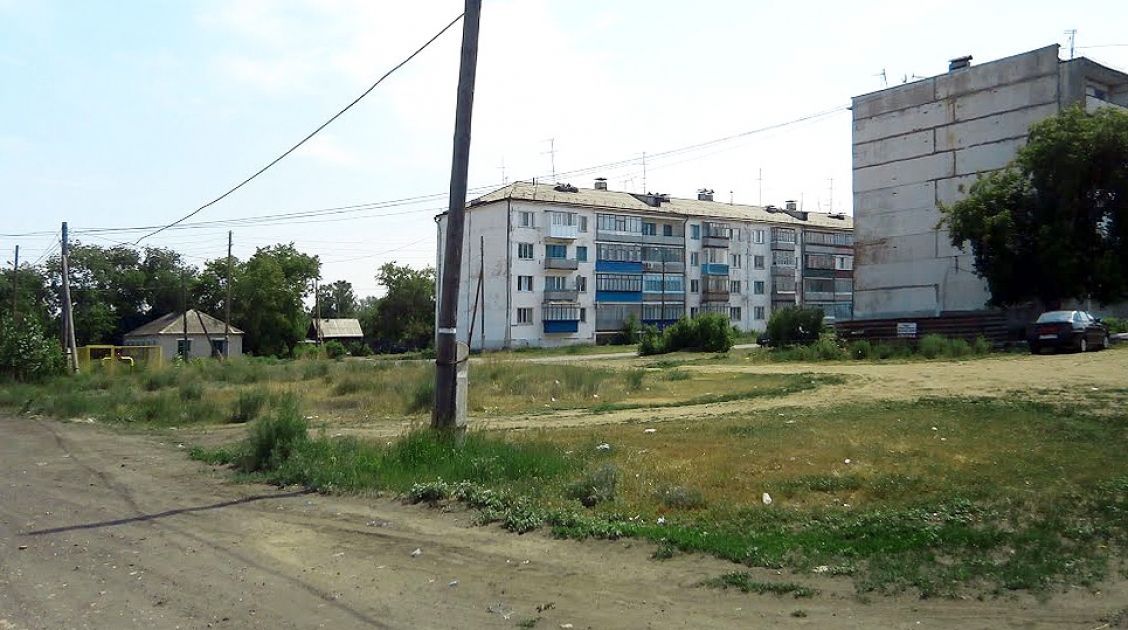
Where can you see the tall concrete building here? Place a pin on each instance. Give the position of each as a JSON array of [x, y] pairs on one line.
[[551, 265], [922, 144]]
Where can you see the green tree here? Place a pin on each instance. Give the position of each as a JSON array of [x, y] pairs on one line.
[[32, 298], [26, 354], [1054, 224], [405, 316], [337, 300], [267, 302]]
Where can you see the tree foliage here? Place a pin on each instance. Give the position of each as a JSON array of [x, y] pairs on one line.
[[337, 300], [795, 325], [1054, 224], [267, 298], [26, 353], [405, 316]]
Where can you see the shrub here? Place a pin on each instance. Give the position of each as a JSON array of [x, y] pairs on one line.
[[982, 346], [795, 324], [248, 405], [629, 333], [335, 349], [26, 354], [422, 395], [860, 349], [191, 390], [359, 349], [275, 438], [932, 346], [680, 497], [827, 349], [1116, 324], [596, 487], [651, 342], [709, 332]]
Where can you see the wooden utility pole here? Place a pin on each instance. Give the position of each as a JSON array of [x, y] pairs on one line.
[[227, 303], [185, 351], [317, 311], [69, 343], [444, 416], [15, 285]]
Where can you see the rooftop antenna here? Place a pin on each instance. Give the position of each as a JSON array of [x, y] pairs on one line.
[[644, 189], [884, 78], [552, 152], [832, 194], [730, 197], [760, 181], [1072, 36], [504, 179]]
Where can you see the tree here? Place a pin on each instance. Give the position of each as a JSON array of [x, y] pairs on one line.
[[267, 301], [1053, 225], [32, 295], [26, 354], [337, 300], [405, 316]]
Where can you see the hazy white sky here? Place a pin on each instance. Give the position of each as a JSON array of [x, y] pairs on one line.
[[135, 112]]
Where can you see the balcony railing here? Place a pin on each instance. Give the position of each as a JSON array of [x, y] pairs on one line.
[[561, 263], [714, 269], [715, 295], [561, 295], [560, 231]]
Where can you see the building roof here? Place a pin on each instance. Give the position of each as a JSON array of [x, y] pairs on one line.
[[624, 201], [173, 324], [337, 328]]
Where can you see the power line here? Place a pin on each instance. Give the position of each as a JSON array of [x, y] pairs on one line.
[[304, 140]]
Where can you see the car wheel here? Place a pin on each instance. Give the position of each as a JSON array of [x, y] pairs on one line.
[[1035, 348], [1083, 345]]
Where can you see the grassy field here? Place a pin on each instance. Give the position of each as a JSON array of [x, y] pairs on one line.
[[939, 497]]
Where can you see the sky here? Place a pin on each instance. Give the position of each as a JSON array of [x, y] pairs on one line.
[[116, 116]]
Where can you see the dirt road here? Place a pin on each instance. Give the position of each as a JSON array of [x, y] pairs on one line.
[[105, 530]]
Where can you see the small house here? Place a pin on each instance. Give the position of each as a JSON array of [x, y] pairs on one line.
[[192, 334], [342, 330]]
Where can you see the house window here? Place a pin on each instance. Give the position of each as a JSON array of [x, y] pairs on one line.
[[667, 230], [525, 219], [619, 223], [735, 261], [583, 224], [695, 232], [581, 284], [649, 229], [556, 251], [734, 313], [219, 347], [758, 236], [758, 262], [694, 286], [734, 286], [581, 253], [524, 283], [694, 259], [758, 312], [525, 251], [554, 283], [618, 252], [525, 315], [844, 263], [758, 287], [183, 347]]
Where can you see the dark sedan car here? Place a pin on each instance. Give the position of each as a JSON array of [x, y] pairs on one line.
[[1073, 330]]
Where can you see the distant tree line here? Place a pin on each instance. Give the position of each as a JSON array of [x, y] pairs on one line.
[[116, 289]]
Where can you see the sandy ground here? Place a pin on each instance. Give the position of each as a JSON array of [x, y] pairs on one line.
[[105, 530]]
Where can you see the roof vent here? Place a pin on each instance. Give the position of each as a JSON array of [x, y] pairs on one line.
[[565, 188], [841, 216], [705, 194], [959, 63], [654, 200], [601, 183], [790, 205]]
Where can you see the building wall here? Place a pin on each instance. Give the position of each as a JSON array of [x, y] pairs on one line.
[[923, 144], [200, 349]]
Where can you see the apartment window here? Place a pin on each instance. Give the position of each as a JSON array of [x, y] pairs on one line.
[[581, 253], [667, 230], [758, 236], [555, 283], [525, 251], [758, 262], [695, 232], [618, 282], [583, 224], [525, 315], [663, 254], [758, 287], [649, 229], [618, 253], [619, 223], [783, 235], [692, 312], [695, 286], [735, 264], [734, 286], [525, 219], [758, 312], [820, 261], [734, 313], [694, 259], [843, 285], [783, 259], [561, 218], [524, 283], [556, 251], [581, 284], [844, 263], [583, 315]]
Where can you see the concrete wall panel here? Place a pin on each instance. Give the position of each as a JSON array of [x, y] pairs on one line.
[[1035, 63], [909, 196], [991, 129], [901, 301], [1039, 91], [893, 249], [893, 149], [896, 224], [902, 97], [987, 157], [900, 122], [949, 191], [922, 169]]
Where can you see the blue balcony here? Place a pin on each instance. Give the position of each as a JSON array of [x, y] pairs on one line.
[[714, 269], [627, 297], [561, 327], [618, 267]]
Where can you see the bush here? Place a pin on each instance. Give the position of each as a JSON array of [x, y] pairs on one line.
[[596, 487], [335, 349], [26, 354], [860, 349], [275, 438], [248, 405], [1116, 324], [629, 334], [359, 349], [827, 349], [982, 346], [795, 325], [422, 395], [651, 342], [932, 346], [709, 332]]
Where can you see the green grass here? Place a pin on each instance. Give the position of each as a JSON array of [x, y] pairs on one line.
[[744, 582]]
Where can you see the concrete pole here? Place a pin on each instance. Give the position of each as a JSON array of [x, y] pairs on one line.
[[447, 359]]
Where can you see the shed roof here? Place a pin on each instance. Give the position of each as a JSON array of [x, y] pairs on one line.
[[173, 324], [613, 199], [337, 328]]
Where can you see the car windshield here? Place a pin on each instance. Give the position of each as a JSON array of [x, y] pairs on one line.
[[1055, 316]]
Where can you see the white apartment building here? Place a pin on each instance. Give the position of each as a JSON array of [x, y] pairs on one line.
[[553, 265]]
